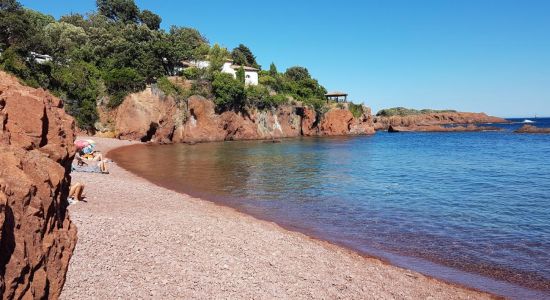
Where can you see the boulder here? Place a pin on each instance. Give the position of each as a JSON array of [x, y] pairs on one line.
[[532, 129], [37, 237]]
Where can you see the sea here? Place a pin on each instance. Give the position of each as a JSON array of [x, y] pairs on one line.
[[469, 208]]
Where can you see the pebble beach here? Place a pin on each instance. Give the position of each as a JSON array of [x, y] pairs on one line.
[[139, 240]]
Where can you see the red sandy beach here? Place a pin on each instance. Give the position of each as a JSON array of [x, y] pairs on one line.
[[139, 240]]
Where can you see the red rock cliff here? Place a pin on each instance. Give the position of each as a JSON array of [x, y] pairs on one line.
[[151, 116], [37, 237]]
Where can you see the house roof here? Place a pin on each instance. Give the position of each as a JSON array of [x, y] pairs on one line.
[[246, 68], [335, 94]]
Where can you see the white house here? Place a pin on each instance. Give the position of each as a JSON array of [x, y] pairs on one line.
[[41, 58], [250, 74]]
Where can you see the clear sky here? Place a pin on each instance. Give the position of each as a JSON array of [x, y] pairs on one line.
[[471, 55]]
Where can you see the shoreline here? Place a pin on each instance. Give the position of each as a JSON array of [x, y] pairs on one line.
[[286, 263], [437, 270]]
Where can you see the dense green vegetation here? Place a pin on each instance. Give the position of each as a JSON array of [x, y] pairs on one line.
[[119, 49], [296, 83], [401, 111]]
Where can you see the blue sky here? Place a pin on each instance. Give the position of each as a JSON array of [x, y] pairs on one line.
[[471, 55]]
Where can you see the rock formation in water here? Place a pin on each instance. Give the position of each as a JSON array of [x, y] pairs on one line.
[[37, 237], [151, 116], [441, 128], [532, 129], [417, 121]]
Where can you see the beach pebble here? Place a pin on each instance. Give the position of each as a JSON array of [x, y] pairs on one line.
[[138, 240]]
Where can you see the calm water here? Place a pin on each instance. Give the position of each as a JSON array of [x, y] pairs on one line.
[[472, 208]]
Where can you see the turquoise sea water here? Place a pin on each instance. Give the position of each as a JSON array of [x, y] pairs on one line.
[[471, 208]]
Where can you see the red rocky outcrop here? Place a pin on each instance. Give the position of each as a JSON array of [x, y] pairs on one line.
[[37, 237], [337, 121], [532, 129], [431, 119], [440, 128], [205, 125], [148, 116]]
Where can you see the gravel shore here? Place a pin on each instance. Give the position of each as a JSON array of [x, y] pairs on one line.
[[139, 240]]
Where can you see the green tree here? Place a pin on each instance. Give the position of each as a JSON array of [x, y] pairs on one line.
[[273, 70], [217, 57], [15, 28], [121, 82], [297, 73], [15, 63], [37, 22], [63, 38], [86, 114], [10, 5], [185, 41], [228, 92], [150, 19], [257, 96], [80, 85], [75, 19], [125, 11], [242, 55]]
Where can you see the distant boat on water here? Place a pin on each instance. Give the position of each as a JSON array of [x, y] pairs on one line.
[[528, 121]]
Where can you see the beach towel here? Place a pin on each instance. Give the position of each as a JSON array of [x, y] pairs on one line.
[[88, 169]]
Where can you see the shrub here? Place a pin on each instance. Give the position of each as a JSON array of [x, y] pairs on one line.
[[169, 88], [14, 63], [228, 92], [202, 88], [319, 105], [121, 82], [30, 72], [85, 114], [241, 75], [356, 110], [192, 73], [278, 100], [80, 85]]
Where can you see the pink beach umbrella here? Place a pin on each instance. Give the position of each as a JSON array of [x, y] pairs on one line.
[[81, 144]]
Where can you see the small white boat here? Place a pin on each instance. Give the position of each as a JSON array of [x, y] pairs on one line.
[[528, 121]]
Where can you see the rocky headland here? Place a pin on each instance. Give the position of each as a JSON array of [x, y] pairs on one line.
[[152, 116], [436, 121], [441, 128], [532, 129], [37, 237]]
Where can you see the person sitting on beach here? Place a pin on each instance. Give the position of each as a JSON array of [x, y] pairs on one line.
[[75, 192], [96, 166], [89, 153]]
